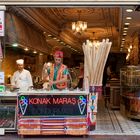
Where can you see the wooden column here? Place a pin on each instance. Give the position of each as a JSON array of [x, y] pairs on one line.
[[139, 48]]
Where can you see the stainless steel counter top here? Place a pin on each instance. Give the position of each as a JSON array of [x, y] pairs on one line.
[[9, 94]]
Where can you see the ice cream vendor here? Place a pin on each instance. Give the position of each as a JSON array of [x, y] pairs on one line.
[[57, 73]]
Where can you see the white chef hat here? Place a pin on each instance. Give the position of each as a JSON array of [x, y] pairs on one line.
[[20, 61]]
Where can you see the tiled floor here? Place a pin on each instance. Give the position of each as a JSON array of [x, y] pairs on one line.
[[111, 122]]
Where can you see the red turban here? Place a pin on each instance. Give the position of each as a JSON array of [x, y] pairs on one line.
[[58, 54]]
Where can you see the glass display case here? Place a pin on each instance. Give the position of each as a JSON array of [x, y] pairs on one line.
[[130, 91], [8, 111], [7, 117]]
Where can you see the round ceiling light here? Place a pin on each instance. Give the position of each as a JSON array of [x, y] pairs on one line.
[[129, 10]]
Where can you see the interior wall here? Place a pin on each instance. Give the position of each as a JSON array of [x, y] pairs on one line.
[[9, 63]]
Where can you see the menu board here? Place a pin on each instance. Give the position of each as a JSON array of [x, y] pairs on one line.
[[52, 105]]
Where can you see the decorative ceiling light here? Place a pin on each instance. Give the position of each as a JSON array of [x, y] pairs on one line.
[[34, 52], [121, 49], [26, 49], [58, 40], [93, 40], [130, 47], [69, 46], [125, 28], [125, 31], [61, 42], [124, 34], [129, 50], [127, 57], [127, 23], [79, 26], [128, 17], [49, 35], [54, 38], [15, 44], [129, 10], [40, 53]]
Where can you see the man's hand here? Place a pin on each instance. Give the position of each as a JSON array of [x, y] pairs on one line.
[[13, 86], [46, 79]]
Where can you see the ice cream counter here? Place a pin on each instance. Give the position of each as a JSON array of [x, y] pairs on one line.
[[45, 113]]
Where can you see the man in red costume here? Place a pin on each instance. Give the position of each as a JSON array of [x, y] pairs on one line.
[[58, 72]]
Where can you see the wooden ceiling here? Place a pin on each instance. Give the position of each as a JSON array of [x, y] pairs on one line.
[[55, 24]]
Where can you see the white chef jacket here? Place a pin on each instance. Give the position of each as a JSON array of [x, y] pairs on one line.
[[22, 80]]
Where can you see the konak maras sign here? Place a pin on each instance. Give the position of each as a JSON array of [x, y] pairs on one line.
[[52, 105]]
